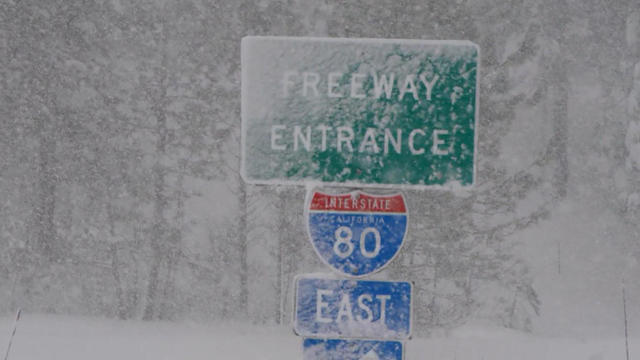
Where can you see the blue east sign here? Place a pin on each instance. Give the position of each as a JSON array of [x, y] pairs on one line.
[[336, 349], [352, 308]]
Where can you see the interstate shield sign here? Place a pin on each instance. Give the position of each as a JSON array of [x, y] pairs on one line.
[[357, 233]]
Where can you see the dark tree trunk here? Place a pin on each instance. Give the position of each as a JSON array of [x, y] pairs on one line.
[[284, 231], [121, 304], [160, 203], [121, 307], [46, 235], [243, 301], [158, 236], [559, 113]]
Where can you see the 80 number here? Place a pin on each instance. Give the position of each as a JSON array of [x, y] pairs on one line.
[[343, 247]]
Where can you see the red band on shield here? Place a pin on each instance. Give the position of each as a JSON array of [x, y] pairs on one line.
[[358, 203]]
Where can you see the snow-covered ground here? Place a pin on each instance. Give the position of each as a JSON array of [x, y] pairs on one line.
[[74, 338], [71, 338]]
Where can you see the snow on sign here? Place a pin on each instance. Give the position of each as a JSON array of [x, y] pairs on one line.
[[333, 349], [359, 112], [327, 307], [356, 233]]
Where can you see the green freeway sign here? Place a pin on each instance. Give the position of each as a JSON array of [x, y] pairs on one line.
[[359, 111]]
